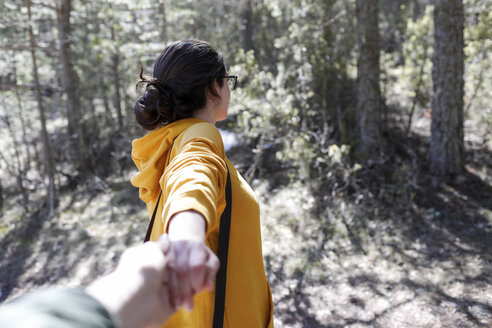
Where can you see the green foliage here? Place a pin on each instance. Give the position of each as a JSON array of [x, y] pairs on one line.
[[296, 85], [418, 58], [264, 110], [306, 101], [407, 77], [338, 233], [478, 67]]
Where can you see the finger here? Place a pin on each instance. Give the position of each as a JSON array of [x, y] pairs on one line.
[[129, 256], [212, 266], [183, 275], [165, 276], [147, 258], [153, 257], [164, 296], [175, 294], [189, 303], [198, 258], [173, 280], [164, 243], [170, 266]]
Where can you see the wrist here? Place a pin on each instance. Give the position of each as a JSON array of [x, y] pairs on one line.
[[103, 291], [187, 225]]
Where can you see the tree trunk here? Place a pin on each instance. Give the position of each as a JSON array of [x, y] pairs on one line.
[[162, 11], [115, 58], [417, 90], [108, 116], [24, 124], [247, 25], [19, 167], [70, 84], [48, 154], [368, 93], [446, 153], [92, 105], [417, 10], [117, 95], [1, 197], [68, 74]]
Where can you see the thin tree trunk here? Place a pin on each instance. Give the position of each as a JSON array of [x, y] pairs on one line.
[[417, 91], [25, 140], [70, 84], [22, 119], [117, 95], [20, 168], [368, 92], [247, 25], [116, 76], [162, 11], [479, 79], [69, 77], [48, 155], [108, 117], [91, 103], [417, 10], [446, 153], [1, 197]]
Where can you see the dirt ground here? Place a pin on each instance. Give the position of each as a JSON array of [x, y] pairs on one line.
[[391, 258], [378, 270]]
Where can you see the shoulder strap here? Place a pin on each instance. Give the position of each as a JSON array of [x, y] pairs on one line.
[[222, 252], [151, 224]]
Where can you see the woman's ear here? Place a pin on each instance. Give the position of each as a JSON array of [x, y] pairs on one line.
[[215, 98]]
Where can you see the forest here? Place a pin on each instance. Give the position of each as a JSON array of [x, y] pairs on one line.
[[363, 126]]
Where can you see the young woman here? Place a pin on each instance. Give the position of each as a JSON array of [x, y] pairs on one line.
[[184, 156]]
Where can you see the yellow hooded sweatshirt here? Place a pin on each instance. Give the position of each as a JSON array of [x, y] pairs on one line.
[[195, 180]]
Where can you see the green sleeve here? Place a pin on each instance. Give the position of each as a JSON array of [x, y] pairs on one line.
[[56, 308]]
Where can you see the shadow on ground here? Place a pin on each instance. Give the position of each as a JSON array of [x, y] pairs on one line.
[[15, 250], [402, 251], [81, 242]]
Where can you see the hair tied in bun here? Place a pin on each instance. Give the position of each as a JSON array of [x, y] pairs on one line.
[[164, 90], [183, 78]]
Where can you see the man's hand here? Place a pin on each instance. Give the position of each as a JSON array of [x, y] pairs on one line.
[[137, 291]]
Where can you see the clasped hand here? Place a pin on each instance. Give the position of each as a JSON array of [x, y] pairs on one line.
[[154, 280], [192, 268]]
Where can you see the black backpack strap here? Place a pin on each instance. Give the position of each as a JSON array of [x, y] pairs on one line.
[[222, 252], [151, 224]]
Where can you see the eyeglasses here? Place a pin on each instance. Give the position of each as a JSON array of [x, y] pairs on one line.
[[231, 81]]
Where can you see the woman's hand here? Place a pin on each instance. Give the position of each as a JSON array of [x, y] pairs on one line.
[[194, 265], [192, 271]]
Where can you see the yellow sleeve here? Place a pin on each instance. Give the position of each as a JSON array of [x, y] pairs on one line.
[[196, 176]]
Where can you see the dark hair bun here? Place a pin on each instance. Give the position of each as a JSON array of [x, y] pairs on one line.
[[155, 107], [184, 76]]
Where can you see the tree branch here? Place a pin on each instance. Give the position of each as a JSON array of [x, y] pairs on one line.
[[45, 87], [21, 47], [44, 5], [333, 19]]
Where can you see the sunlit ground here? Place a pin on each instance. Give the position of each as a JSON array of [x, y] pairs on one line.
[[332, 261]]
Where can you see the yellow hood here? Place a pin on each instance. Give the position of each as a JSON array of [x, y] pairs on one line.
[[150, 154]]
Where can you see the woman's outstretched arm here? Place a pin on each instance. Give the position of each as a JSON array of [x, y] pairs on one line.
[[195, 264]]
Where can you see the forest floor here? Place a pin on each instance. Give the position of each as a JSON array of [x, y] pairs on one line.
[[403, 251]]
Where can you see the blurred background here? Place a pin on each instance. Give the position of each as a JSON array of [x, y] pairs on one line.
[[364, 127]]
